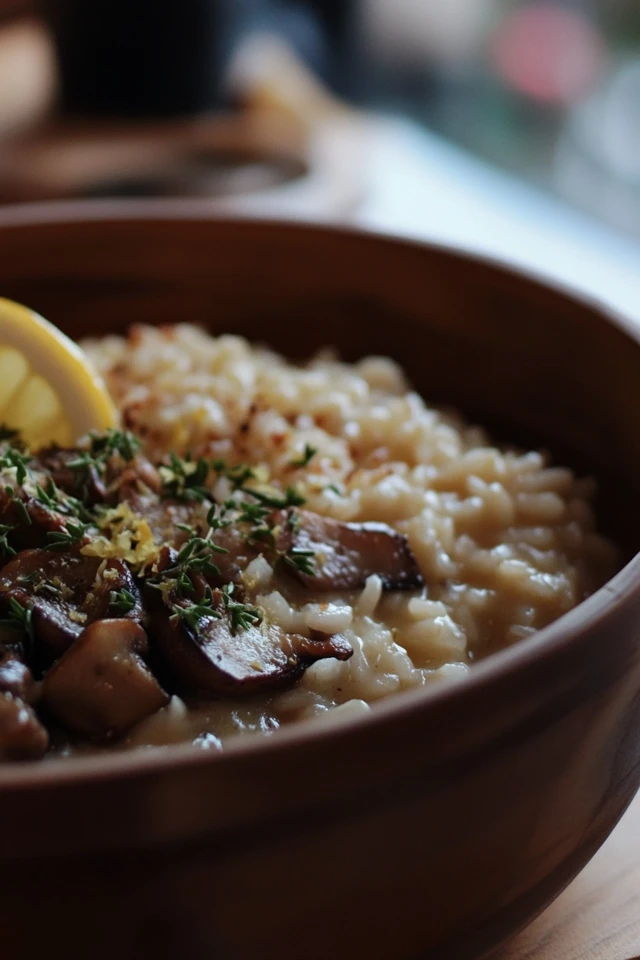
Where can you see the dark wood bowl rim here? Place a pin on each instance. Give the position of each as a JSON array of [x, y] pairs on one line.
[[621, 591]]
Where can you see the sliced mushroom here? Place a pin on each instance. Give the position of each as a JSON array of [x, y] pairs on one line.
[[344, 555], [101, 686], [29, 519], [22, 736], [66, 591], [214, 658], [85, 483], [164, 515], [168, 517]]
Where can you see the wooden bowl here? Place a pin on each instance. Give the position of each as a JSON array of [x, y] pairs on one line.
[[445, 821]]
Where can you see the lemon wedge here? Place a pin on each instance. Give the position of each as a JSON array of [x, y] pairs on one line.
[[48, 388]]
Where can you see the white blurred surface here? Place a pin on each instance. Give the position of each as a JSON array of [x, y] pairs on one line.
[[423, 187]]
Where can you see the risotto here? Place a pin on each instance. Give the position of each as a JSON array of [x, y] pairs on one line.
[[506, 542], [296, 541]]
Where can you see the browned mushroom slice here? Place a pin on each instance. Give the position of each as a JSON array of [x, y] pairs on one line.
[[83, 482], [212, 657], [67, 591], [22, 736], [29, 521], [343, 555], [101, 686], [167, 519], [163, 515], [84, 478]]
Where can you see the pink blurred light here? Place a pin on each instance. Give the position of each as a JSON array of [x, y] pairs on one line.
[[548, 53]]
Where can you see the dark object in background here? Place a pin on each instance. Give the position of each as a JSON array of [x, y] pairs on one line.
[[144, 58], [325, 34], [140, 58], [14, 9]]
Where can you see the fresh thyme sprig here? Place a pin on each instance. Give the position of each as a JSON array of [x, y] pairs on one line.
[[48, 588], [290, 498], [122, 600], [195, 554], [6, 550], [102, 447], [217, 515], [72, 507], [107, 444], [83, 463], [300, 560], [72, 534], [19, 619], [242, 615], [19, 505], [184, 479], [14, 458], [184, 584], [28, 577], [55, 499], [48, 497], [237, 475], [294, 521], [195, 612], [252, 513], [306, 458]]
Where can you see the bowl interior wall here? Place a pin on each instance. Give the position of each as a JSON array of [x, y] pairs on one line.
[[537, 367]]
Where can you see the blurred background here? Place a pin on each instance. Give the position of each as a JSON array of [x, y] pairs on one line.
[[292, 106]]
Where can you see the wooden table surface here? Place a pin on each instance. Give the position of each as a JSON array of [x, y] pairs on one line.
[[598, 916]]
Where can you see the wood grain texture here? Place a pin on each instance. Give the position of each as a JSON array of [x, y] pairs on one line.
[[443, 822], [598, 916]]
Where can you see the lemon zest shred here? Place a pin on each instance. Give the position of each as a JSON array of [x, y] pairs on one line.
[[125, 536]]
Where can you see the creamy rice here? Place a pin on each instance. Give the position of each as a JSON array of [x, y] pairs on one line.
[[506, 542]]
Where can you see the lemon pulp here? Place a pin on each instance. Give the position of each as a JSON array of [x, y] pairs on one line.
[[48, 389]]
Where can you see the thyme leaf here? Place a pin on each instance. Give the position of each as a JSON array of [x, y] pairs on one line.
[[122, 442], [47, 587], [19, 619], [28, 577], [252, 513], [300, 560], [291, 498], [294, 520], [184, 585], [236, 475], [241, 615], [307, 456], [195, 612], [122, 600], [184, 479], [217, 516], [48, 498], [14, 458], [72, 534], [19, 505], [6, 550], [83, 463]]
